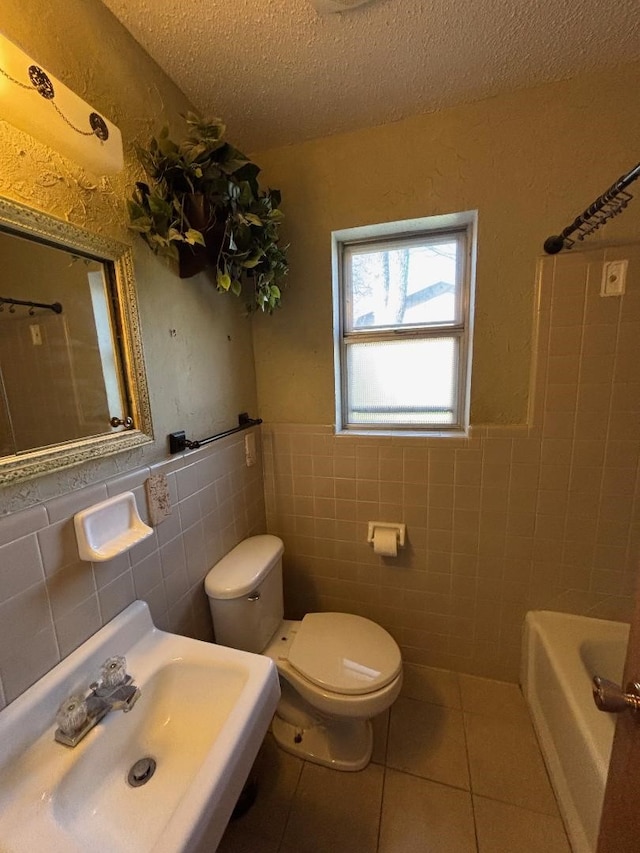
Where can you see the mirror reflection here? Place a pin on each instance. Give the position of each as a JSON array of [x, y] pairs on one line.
[[70, 347], [59, 365]]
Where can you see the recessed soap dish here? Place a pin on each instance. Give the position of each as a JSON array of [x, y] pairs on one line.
[[109, 528]]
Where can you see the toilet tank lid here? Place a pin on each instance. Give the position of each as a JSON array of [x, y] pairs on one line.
[[244, 567]]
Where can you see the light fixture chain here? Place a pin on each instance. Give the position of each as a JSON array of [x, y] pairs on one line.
[[13, 80], [41, 84], [71, 125]]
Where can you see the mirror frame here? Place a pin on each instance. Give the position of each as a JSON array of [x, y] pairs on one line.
[[45, 228]]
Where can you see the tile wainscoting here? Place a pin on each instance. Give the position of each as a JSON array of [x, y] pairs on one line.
[[504, 521], [51, 601]]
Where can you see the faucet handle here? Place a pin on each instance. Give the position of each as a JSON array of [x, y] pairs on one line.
[[113, 672], [115, 685], [72, 715]]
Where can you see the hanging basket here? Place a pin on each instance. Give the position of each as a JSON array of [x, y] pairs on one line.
[[226, 227], [195, 259]]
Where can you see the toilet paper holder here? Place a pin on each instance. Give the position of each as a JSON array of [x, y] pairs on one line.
[[399, 528]]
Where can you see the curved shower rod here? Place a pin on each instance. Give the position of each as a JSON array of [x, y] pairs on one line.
[[612, 202]]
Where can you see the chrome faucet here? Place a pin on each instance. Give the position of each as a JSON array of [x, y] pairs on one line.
[[114, 691]]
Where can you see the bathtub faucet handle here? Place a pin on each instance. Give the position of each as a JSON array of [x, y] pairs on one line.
[[610, 697]]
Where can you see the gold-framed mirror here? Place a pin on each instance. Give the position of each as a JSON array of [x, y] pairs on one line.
[[73, 385]]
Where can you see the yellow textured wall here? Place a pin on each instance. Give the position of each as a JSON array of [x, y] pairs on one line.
[[197, 342], [529, 162]]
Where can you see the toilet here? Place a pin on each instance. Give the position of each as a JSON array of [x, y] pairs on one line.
[[337, 670]]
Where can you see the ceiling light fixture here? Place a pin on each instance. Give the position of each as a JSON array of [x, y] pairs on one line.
[[36, 102]]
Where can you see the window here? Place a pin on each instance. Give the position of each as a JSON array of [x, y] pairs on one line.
[[403, 316]]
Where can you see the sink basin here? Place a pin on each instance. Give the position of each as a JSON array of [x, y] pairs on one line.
[[202, 715]]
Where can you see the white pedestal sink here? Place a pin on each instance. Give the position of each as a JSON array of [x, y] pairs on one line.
[[202, 715]]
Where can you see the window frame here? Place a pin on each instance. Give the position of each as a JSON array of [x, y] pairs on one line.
[[460, 227]]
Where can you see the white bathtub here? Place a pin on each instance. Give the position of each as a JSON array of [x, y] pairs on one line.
[[561, 653]]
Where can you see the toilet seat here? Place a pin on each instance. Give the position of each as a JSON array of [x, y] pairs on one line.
[[322, 725], [344, 654], [356, 705]]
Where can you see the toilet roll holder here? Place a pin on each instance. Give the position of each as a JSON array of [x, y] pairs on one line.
[[399, 528]]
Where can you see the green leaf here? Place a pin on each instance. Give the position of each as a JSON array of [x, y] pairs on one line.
[[245, 196], [140, 225], [249, 173], [223, 280], [236, 287], [159, 205], [231, 166], [252, 219], [136, 211], [252, 262], [193, 236], [167, 147]]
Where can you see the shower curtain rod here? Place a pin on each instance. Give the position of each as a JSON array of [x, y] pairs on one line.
[[612, 202], [56, 307]]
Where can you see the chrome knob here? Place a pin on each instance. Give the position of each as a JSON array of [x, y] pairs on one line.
[[127, 422], [610, 697]]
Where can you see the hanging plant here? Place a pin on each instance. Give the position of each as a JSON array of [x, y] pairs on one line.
[[203, 208]]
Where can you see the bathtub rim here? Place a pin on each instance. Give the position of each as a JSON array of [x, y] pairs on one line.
[[534, 625]]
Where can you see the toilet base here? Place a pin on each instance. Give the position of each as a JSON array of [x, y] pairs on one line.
[[339, 744]]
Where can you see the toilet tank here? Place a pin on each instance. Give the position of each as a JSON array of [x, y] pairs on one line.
[[245, 593]]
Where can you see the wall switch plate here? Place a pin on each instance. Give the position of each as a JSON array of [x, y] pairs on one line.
[[250, 449], [36, 335], [614, 278]]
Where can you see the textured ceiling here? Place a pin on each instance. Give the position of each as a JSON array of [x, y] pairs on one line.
[[277, 71]]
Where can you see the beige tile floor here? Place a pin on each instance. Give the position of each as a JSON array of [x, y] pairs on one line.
[[456, 769]]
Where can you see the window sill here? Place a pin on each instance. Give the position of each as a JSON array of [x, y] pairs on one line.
[[462, 432]]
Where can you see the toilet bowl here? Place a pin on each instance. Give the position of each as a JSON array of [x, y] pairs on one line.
[[337, 670]]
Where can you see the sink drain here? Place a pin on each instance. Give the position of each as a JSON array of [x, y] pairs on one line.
[[141, 772]]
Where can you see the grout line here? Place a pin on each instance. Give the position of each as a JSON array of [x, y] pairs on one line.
[[429, 779], [523, 808], [384, 777], [466, 752], [291, 800], [382, 791]]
